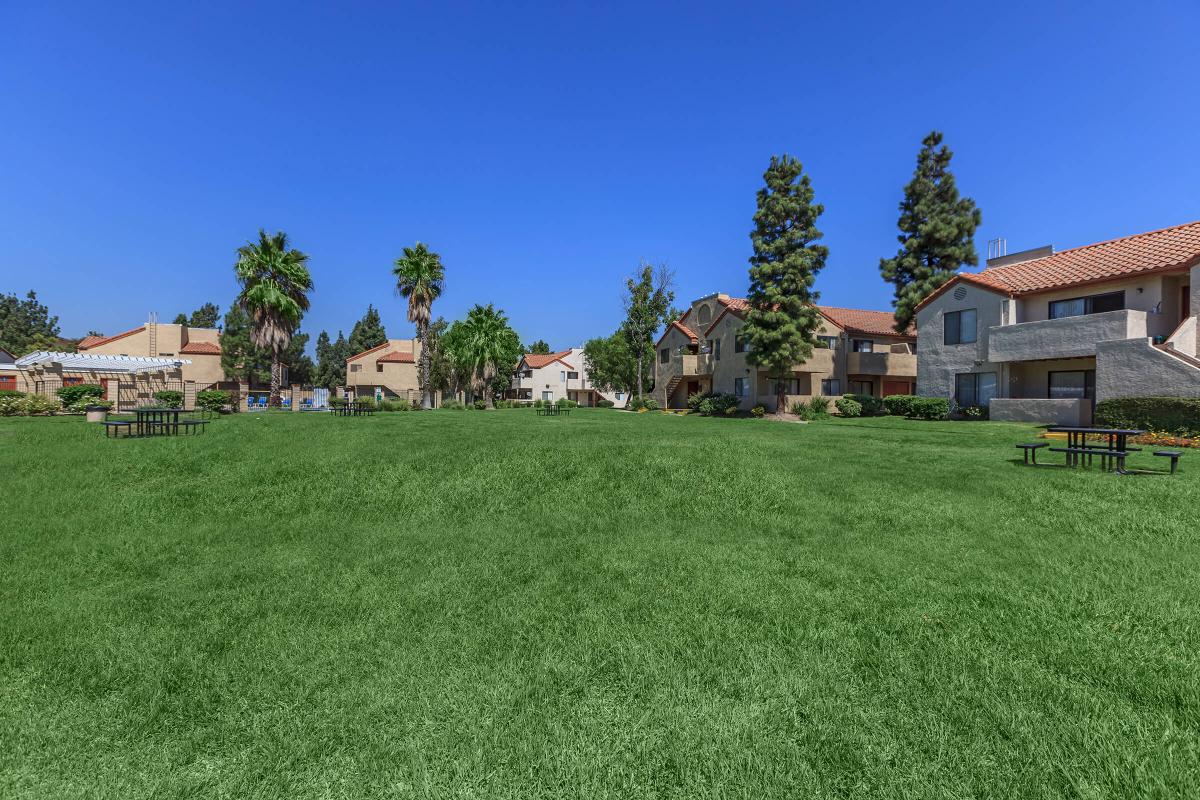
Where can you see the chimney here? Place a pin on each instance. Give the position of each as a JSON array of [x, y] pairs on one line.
[[1003, 260]]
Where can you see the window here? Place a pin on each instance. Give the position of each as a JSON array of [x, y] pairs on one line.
[[355, 367], [1093, 304], [739, 387], [960, 326], [974, 388], [828, 341], [863, 346], [620, 396], [379, 366], [862, 387], [704, 315], [714, 346], [739, 345], [8, 383], [562, 376], [547, 395], [572, 376], [831, 387], [72, 381], [1072, 384], [664, 355]]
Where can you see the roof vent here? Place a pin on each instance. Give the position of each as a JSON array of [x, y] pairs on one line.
[[960, 293]]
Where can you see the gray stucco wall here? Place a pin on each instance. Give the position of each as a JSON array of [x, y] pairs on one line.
[[938, 363], [1044, 411], [1134, 368], [1072, 337]]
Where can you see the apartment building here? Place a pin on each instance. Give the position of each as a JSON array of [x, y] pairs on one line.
[[554, 376], [1042, 336], [386, 372], [200, 348], [859, 353]]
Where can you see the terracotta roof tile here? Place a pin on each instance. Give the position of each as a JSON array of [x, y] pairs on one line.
[[88, 341], [855, 320], [201, 348], [397, 357], [97, 340], [539, 360], [357, 356], [1141, 254]]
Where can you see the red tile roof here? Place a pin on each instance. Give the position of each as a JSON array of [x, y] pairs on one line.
[[539, 360], [1141, 254], [201, 348], [97, 340], [397, 357], [854, 320], [357, 356]]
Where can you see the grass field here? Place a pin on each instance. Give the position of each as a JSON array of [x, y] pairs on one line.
[[607, 605]]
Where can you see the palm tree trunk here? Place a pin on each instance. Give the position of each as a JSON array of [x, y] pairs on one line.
[[426, 395], [274, 401]]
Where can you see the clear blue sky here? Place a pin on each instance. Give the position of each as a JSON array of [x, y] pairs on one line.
[[545, 149]]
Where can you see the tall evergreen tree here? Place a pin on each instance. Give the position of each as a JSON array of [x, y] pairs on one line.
[[937, 230], [206, 316], [26, 325], [540, 347], [180, 319], [241, 359], [782, 319], [300, 367], [331, 361], [647, 308], [368, 332]]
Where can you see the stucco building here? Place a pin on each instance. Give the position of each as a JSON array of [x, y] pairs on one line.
[[386, 372], [1042, 336], [861, 353], [554, 376]]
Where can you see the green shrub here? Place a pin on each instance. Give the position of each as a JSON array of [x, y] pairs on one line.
[[694, 400], [337, 401], [479, 405], [872, 406], [538, 403], [367, 403], [800, 409], [849, 407], [79, 392], [758, 412], [399, 404], [819, 407], [731, 411], [605, 404], [1177, 415], [711, 403], [929, 408], [899, 405], [11, 393], [29, 406], [563, 402], [453, 405], [169, 398], [213, 400], [646, 403]]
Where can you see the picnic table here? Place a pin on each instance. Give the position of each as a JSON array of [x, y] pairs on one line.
[[1113, 448], [157, 420], [553, 411], [352, 410]]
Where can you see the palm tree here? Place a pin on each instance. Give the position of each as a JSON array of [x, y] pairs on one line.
[[419, 277], [275, 284], [491, 347]]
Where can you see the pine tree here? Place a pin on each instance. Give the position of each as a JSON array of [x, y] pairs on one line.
[[368, 332], [936, 231], [241, 359], [540, 347], [783, 318], [26, 325]]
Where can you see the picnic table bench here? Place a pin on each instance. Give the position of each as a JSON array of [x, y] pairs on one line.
[[553, 411]]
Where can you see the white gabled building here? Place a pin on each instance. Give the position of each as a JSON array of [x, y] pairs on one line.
[[554, 376]]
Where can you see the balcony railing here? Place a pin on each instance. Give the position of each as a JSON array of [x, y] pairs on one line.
[[1067, 337], [899, 364]]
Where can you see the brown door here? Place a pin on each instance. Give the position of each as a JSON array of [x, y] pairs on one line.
[[895, 387], [1185, 302], [693, 387]]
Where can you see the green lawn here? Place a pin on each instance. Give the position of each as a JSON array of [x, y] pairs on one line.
[[466, 604]]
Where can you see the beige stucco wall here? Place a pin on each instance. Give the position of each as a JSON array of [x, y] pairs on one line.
[[394, 379], [1141, 294], [204, 369]]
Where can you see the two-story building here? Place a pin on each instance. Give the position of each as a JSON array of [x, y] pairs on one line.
[[860, 353], [1041, 336], [386, 372], [553, 376]]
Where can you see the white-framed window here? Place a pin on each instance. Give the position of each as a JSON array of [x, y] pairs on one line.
[[547, 395], [620, 396], [829, 341]]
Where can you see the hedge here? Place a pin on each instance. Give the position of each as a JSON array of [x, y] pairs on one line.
[[899, 405], [871, 405], [929, 408], [1178, 415]]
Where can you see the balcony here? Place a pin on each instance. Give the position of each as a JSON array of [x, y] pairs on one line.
[[899, 364], [692, 364], [821, 361], [1069, 337]]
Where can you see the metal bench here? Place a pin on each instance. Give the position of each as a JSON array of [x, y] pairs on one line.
[[1076, 456], [113, 427], [1171, 454], [1031, 448], [193, 426]]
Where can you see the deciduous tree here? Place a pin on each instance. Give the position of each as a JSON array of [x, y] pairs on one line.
[[26, 325], [647, 301]]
